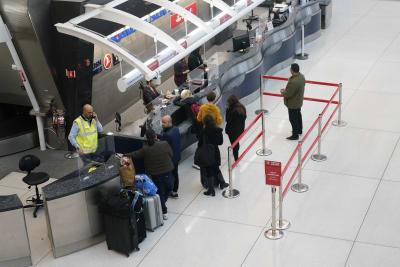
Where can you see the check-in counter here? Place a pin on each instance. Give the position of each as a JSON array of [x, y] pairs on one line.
[[239, 73], [71, 202], [14, 243], [326, 13]]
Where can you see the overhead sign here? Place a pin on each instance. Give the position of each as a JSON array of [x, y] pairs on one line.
[[177, 19], [154, 65], [107, 61], [128, 30], [21, 74], [224, 18], [273, 173]]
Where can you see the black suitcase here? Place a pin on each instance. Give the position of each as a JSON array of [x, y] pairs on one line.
[[120, 224], [141, 225], [139, 211]]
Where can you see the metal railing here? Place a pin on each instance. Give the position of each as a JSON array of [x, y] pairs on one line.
[[231, 192], [300, 187]]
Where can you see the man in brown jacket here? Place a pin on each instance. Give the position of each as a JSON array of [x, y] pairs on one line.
[[158, 164], [293, 96]]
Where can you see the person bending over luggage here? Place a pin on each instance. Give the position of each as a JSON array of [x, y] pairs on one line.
[[235, 122], [212, 134], [158, 164], [171, 134], [192, 106]]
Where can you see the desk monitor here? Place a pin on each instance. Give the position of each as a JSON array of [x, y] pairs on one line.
[[241, 42]]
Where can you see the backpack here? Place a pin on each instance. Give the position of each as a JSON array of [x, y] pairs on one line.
[[195, 107]]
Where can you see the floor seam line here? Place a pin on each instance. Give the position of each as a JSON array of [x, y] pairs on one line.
[[169, 228], [372, 200], [252, 247]]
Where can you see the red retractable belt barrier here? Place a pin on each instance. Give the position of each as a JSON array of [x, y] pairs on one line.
[[251, 144], [328, 103]]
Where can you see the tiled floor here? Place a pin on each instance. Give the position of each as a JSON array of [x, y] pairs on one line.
[[349, 217]]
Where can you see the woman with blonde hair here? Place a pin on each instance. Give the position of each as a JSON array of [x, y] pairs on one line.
[[190, 103]]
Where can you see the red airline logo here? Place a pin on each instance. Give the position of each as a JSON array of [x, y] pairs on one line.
[[107, 61], [176, 19]]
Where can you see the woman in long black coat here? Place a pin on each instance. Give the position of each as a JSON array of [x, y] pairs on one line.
[[212, 134], [235, 122]]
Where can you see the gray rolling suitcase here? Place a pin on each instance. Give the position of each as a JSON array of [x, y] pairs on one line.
[[153, 212]]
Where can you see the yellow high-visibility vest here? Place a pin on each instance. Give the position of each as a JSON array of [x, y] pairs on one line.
[[87, 135]]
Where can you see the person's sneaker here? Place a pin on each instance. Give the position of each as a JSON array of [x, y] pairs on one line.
[[165, 216], [174, 195], [293, 137], [196, 167]]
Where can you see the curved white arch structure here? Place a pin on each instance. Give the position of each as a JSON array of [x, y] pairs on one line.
[[91, 37], [174, 51], [222, 6], [183, 12], [121, 17]]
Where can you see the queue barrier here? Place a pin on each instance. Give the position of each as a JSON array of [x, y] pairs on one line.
[[300, 187], [231, 192]]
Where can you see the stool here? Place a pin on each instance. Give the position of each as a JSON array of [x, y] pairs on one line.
[[28, 163]]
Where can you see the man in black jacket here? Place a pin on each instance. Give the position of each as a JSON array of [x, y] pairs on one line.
[[149, 92], [195, 61], [171, 134]]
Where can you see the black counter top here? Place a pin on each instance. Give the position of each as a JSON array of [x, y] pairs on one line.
[[10, 202], [81, 180]]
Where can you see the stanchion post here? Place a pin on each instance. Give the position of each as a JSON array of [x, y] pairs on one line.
[[339, 122], [299, 187], [263, 151], [230, 192], [302, 55], [273, 233], [319, 156], [258, 111], [282, 224]]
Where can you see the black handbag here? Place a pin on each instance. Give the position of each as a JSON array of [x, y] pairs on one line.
[[205, 154]]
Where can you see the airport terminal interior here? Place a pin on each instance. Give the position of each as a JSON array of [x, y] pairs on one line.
[[347, 217]]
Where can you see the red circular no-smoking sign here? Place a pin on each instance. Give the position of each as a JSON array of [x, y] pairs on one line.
[[107, 61]]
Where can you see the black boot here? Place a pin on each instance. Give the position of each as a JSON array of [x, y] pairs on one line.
[[210, 191], [221, 181]]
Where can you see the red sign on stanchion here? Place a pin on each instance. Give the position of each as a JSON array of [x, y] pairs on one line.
[[273, 173]]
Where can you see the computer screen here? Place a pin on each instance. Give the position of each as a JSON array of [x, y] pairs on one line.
[[241, 42]]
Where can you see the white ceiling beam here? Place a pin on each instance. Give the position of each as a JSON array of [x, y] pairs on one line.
[[124, 18], [222, 6], [182, 12], [70, 29]]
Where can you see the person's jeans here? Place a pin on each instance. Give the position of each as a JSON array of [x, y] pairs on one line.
[[176, 178], [296, 121], [164, 183]]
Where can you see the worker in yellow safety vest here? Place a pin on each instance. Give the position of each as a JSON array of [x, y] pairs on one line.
[[84, 134]]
